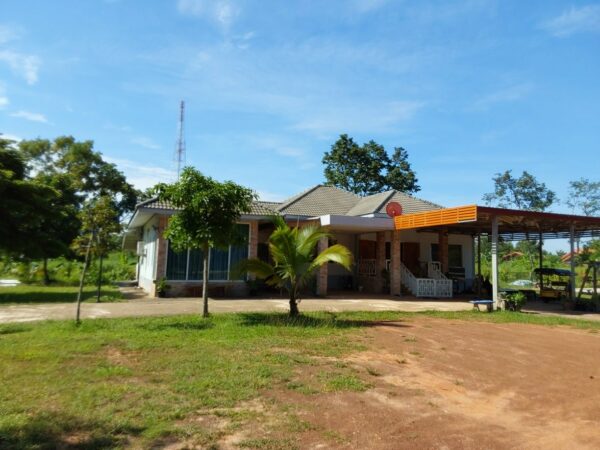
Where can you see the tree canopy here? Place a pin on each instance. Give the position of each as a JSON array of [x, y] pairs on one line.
[[207, 213], [584, 196], [368, 169], [524, 192]]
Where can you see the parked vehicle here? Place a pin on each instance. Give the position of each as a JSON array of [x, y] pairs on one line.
[[554, 284]]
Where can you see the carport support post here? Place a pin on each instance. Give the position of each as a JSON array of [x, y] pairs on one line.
[[541, 260], [495, 295], [572, 242], [395, 280]]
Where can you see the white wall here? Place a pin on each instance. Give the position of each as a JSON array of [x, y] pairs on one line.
[[148, 261]]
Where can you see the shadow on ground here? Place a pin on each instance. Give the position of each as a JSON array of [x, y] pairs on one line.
[[48, 430], [326, 319]]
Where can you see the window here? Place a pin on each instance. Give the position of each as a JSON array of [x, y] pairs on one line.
[[188, 265], [454, 254]]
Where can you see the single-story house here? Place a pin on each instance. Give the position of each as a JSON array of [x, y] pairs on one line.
[[386, 261]]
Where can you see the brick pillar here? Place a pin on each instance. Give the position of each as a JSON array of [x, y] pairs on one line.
[[161, 251], [443, 249], [395, 280], [380, 262], [253, 244], [322, 273]]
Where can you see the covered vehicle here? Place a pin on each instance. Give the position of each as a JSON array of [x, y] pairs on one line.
[[554, 284]]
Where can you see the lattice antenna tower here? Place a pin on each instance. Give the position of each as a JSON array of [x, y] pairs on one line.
[[180, 147]]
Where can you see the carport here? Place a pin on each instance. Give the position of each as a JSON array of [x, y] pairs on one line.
[[505, 224]]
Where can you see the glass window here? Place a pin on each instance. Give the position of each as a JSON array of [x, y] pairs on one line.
[[454, 254], [176, 264], [196, 265], [222, 261]]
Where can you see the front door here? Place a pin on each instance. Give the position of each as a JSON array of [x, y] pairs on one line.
[[410, 256]]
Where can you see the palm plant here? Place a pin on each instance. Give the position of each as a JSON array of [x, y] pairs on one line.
[[294, 258]]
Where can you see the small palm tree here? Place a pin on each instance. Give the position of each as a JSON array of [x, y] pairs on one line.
[[294, 259]]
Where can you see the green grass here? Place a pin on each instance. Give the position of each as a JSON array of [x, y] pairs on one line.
[[55, 294], [117, 382], [112, 383]]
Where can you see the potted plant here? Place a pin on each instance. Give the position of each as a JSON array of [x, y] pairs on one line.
[[515, 301], [162, 287]]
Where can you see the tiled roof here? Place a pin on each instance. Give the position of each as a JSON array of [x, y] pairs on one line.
[[259, 208], [370, 204], [322, 200], [318, 201], [409, 203]]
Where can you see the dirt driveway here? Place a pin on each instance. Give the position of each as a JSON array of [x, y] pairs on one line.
[[453, 384]]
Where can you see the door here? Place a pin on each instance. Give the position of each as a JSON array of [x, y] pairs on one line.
[[410, 256]]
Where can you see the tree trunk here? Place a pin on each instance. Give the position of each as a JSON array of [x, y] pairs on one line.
[[205, 251], [46, 276], [293, 305], [83, 271], [99, 280]]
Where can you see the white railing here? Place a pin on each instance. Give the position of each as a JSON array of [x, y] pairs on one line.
[[426, 287], [408, 279], [367, 267], [434, 270]]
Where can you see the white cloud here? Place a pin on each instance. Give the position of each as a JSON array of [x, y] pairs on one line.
[[145, 142], [358, 118], [31, 116], [3, 101], [8, 33], [140, 175], [506, 95], [223, 12], [26, 66], [267, 196], [574, 20], [11, 137]]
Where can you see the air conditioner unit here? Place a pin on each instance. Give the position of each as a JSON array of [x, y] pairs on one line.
[[140, 249]]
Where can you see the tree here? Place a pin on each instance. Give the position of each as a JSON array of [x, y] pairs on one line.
[[525, 192], [294, 262], [78, 174], [25, 205], [368, 169], [584, 196], [207, 212]]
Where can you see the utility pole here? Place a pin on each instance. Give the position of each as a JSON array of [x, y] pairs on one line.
[[180, 147]]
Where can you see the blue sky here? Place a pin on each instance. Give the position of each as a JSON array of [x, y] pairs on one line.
[[469, 88]]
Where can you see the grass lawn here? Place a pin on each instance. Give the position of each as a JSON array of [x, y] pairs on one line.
[[153, 381], [55, 294]]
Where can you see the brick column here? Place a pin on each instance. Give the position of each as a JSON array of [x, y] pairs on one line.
[[380, 261], [443, 249], [161, 251], [322, 272], [253, 244], [395, 280]]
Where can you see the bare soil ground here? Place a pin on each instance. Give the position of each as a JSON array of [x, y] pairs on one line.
[[448, 384]]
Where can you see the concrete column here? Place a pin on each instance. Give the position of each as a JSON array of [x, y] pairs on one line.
[[395, 276], [161, 251], [495, 295], [572, 242], [322, 273], [380, 262], [443, 249]]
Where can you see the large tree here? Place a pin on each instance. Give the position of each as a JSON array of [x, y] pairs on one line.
[[584, 196], [368, 169], [207, 213], [293, 251], [25, 205], [524, 192], [79, 174]]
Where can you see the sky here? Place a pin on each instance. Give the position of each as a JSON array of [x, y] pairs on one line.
[[470, 88]]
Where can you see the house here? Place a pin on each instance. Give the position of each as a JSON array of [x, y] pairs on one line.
[[385, 260]]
